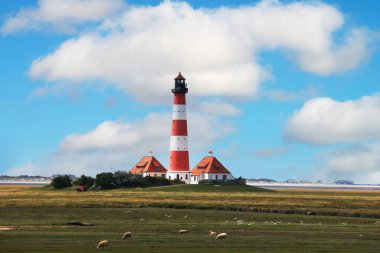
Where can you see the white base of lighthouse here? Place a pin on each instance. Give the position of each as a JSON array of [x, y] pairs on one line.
[[180, 175]]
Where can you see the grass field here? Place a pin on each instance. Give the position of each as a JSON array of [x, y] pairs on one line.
[[270, 221]]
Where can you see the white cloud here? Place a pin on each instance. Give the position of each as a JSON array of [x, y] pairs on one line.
[[360, 163], [325, 121], [61, 15], [215, 48], [27, 169], [120, 144]]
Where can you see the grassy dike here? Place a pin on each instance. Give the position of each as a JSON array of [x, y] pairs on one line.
[[40, 218]]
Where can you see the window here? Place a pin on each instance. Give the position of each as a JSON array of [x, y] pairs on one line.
[[224, 177], [155, 175], [195, 178], [186, 176], [216, 177], [177, 176], [157, 168], [162, 175], [170, 177]]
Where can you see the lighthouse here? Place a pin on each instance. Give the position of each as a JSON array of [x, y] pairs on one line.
[[179, 151]]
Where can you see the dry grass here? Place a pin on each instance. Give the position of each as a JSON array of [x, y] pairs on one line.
[[331, 202], [40, 217]]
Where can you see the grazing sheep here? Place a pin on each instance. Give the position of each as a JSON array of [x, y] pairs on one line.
[[221, 236], [127, 235], [102, 244], [213, 232], [183, 231]]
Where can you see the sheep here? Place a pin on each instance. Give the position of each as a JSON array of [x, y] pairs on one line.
[[127, 235], [221, 236], [102, 244], [213, 232], [183, 231]]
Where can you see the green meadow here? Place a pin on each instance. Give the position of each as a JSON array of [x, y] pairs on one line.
[[255, 220]]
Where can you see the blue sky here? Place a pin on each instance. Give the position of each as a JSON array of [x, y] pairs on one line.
[[277, 89]]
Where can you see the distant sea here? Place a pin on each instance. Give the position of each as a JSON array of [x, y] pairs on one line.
[[24, 183], [273, 186]]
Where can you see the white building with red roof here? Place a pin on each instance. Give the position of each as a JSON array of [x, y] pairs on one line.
[[149, 166], [210, 169]]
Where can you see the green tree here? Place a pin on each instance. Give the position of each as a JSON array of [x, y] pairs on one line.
[[121, 177], [61, 182], [105, 180], [85, 181]]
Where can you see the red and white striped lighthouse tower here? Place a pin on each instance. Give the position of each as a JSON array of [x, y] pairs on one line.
[[179, 151]]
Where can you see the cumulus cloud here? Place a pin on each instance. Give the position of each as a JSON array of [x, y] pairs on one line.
[[216, 48], [325, 121], [61, 15], [120, 144], [360, 163]]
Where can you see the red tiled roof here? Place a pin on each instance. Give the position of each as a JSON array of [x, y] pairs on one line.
[[148, 164], [209, 164]]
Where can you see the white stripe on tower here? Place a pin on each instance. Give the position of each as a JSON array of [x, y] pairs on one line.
[[178, 143], [179, 112]]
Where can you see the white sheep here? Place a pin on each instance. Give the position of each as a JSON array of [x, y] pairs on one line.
[[102, 244], [213, 232], [221, 236], [127, 235], [183, 231]]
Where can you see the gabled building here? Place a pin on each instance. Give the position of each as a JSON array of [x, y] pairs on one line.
[[149, 166], [210, 169]]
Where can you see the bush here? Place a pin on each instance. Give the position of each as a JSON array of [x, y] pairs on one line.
[[123, 179], [155, 181], [61, 182], [105, 180], [84, 181]]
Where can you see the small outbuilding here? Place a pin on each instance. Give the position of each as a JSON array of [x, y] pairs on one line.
[[149, 166], [210, 169]]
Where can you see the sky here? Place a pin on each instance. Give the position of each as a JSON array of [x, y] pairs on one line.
[[277, 89]]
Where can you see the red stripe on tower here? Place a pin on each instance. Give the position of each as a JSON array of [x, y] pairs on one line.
[[179, 153]]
